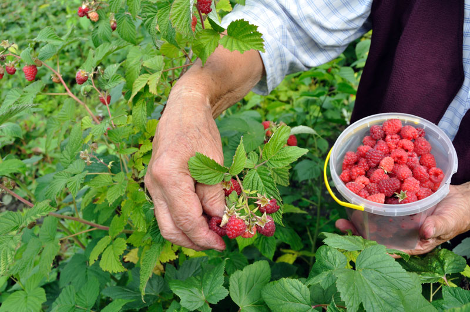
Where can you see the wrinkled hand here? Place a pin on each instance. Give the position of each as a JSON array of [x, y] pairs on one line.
[[186, 127], [450, 218]]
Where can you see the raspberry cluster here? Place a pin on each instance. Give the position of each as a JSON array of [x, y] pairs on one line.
[[270, 127], [393, 166], [30, 71], [204, 6], [88, 9]]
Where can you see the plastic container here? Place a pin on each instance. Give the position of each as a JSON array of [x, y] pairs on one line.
[[395, 226]]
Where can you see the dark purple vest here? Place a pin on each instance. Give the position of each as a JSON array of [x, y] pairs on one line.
[[415, 65]]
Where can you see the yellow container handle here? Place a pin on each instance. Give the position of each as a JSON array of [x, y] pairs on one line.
[[342, 203]]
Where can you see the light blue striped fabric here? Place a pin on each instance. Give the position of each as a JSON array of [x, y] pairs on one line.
[[301, 34]]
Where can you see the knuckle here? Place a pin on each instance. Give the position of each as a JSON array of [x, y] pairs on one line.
[[184, 224]]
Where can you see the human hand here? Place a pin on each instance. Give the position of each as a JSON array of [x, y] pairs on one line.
[[450, 218], [186, 127]]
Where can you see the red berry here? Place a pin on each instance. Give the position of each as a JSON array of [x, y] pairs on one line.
[[345, 176], [83, 10], [231, 186], [421, 132], [376, 132], [399, 156], [363, 193], [350, 158], [81, 77], [374, 157], [409, 132], [356, 171], [378, 175], [271, 207], [409, 198], [1, 76], [436, 186], [362, 180], [346, 167], [428, 184], [268, 229], [363, 164], [427, 160], [93, 16], [249, 233], [372, 188], [391, 201], [369, 141], [292, 141], [10, 69], [413, 160], [204, 6], [370, 172], [354, 187], [423, 193], [407, 145], [382, 146], [402, 172], [387, 164], [392, 126], [436, 175], [422, 146], [194, 23], [105, 101], [362, 150], [113, 25], [392, 141], [235, 227], [377, 198], [214, 225], [389, 186], [410, 185], [30, 72], [420, 173], [266, 124]]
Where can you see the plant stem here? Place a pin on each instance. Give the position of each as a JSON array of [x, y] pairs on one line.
[[76, 234], [73, 237], [200, 16], [24, 201], [24, 188], [317, 226], [95, 225], [430, 292], [105, 100], [75, 207]]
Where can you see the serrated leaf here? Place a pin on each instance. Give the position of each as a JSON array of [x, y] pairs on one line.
[[66, 300], [287, 295], [327, 261], [180, 16], [139, 84], [101, 181], [115, 5], [154, 63], [74, 183], [48, 35], [115, 191], [8, 245], [281, 175], [10, 166], [164, 23], [101, 33], [9, 112], [276, 143], [153, 81], [11, 130], [30, 92], [88, 294], [245, 286], [47, 51], [139, 115], [116, 305], [346, 242], [99, 248], [206, 170], [242, 36], [26, 56], [206, 42], [286, 156], [148, 262], [73, 146], [348, 74], [260, 180], [239, 160], [126, 27], [266, 245], [110, 260], [39, 210], [134, 7], [117, 225], [29, 300]]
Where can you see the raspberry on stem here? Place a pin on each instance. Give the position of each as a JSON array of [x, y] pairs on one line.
[[30, 72], [235, 227], [231, 186], [214, 225], [204, 6], [268, 229]]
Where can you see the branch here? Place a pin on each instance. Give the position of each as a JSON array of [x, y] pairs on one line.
[[105, 99], [24, 201]]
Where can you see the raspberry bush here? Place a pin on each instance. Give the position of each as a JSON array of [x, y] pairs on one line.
[[77, 229]]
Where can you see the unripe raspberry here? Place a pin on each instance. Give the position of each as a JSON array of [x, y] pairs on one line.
[[268, 229], [94, 16]]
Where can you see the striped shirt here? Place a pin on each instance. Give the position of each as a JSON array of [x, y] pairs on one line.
[[301, 34]]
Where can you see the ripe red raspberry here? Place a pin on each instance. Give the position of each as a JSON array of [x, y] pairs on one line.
[[422, 146], [427, 160], [370, 172], [391, 201], [399, 156], [292, 141], [376, 132], [345, 176], [369, 141], [378, 175], [204, 6], [423, 193], [409, 198], [249, 233], [1, 76], [420, 173], [2, 72], [421, 132], [387, 164], [355, 172], [268, 229], [94, 16], [270, 207], [372, 188], [412, 161], [347, 167], [392, 126], [409, 132], [436, 187], [410, 185], [193, 25], [363, 164], [10, 69], [113, 25], [83, 10], [105, 101], [389, 186], [81, 77], [235, 227], [214, 225], [231, 186], [392, 141], [30, 72], [354, 187], [350, 158], [427, 184], [266, 124], [362, 180], [377, 198], [374, 157], [403, 172], [436, 175], [362, 150], [382, 146], [363, 193], [407, 145]]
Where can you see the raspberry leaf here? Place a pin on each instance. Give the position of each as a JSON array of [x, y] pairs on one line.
[[454, 298], [26, 56], [260, 180], [110, 260], [286, 156], [239, 160], [245, 286], [276, 143], [164, 23], [207, 41], [88, 294], [8, 245], [139, 115], [242, 36], [287, 295], [48, 35], [346, 242], [126, 27], [266, 245], [206, 170], [10, 166], [180, 16], [115, 5], [134, 7], [463, 249], [99, 248], [148, 262], [29, 300]]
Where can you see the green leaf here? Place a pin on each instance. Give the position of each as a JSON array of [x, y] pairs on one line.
[[10, 129], [239, 160], [47, 51], [115, 5], [139, 84], [362, 48], [134, 7], [10, 166], [242, 36], [348, 74], [266, 245], [99, 248], [29, 300], [280, 175], [101, 33], [9, 112], [289, 236], [66, 300], [48, 35], [286, 156], [110, 260], [126, 27], [164, 23], [139, 115], [100, 181], [327, 261], [73, 146], [206, 170], [58, 184], [153, 82], [261, 180], [50, 251], [74, 183], [39, 210], [26, 56], [8, 245], [155, 63], [180, 16], [117, 225], [24, 265], [245, 286], [373, 283], [346, 242], [463, 249], [115, 191], [206, 42], [10, 221], [346, 88], [287, 295], [116, 305], [455, 297], [88, 294], [413, 300], [276, 143], [30, 92], [148, 262]]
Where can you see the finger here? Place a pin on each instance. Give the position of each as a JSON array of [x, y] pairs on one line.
[[212, 198], [437, 226], [344, 225]]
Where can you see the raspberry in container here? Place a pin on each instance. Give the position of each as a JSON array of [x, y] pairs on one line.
[[394, 221]]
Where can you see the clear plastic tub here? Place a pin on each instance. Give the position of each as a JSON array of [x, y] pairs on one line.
[[395, 226]]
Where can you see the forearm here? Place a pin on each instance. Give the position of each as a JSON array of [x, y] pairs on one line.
[[224, 80]]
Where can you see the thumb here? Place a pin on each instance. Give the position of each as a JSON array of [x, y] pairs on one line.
[[212, 199], [437, 226]]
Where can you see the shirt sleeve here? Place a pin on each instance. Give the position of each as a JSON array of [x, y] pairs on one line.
[[301, 34]]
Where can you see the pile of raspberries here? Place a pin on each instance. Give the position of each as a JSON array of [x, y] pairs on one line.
[[394, 165]]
